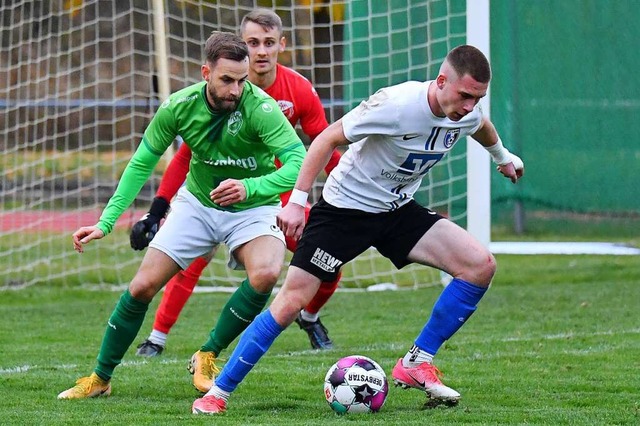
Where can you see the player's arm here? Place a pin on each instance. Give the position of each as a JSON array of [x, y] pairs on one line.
[[509, 164], [133, 178], [143, 231], [232, 191], [157, 138], [313, 121], [333, 160], [319, 154], [291, 218]]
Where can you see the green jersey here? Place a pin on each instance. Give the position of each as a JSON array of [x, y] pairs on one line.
[[231, 145]]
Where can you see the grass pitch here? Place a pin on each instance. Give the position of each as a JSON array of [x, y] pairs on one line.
[[554, 342]]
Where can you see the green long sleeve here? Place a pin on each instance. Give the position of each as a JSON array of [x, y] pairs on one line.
[[135, 175], [282, 180]]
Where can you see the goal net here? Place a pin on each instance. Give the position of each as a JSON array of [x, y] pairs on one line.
[[80, 80]]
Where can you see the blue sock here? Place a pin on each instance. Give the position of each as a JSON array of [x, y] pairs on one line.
[[454, 306], [255, 342]]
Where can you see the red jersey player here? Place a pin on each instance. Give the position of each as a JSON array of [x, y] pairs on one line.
[[298, 100]]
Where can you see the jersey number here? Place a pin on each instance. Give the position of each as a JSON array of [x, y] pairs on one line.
[[419, 162]]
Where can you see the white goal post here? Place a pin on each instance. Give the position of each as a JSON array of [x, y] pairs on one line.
[[79, 82], [478, 160]]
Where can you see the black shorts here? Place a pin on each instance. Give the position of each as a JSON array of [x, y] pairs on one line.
[[334, 236]]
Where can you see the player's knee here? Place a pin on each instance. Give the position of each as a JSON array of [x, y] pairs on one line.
[[287, 304], [484, 268], [143, 289], [264, 278]]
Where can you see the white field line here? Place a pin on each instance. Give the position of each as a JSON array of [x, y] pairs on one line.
[[26, 368]]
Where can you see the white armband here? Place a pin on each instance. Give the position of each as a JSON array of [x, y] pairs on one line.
[[299, 197], [499, 154]]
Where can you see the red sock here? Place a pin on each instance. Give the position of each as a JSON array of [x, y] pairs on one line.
[[176, 294], [322, 296]]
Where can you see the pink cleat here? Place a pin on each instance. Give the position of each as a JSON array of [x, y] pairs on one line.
[[209, 404], [425, 377]]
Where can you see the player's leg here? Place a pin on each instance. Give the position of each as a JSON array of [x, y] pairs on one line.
[[298, 289], [262, 258], [183, 237], [320, 253], [450, 248], [257, 245], [309, 317], [124, 323], [174, 298]]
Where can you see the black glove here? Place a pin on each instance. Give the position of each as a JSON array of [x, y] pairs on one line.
[[145, 229]]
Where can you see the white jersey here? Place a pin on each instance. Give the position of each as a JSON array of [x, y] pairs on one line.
[[396, 139]]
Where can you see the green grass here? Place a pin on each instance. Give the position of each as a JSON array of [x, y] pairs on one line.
[[540, 224], [555, 341]]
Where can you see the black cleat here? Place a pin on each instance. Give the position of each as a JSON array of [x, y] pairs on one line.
[[318, 334], [149, 349]]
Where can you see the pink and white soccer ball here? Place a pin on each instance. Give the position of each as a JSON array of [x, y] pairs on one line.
[[355, 384]]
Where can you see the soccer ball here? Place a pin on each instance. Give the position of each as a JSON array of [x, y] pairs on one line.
[[355, 384]]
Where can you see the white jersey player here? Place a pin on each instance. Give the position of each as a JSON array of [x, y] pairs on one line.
[[395, 137]]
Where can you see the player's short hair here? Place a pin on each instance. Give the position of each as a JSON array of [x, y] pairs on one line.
[[266, 18], [225, 45], [470, 60]]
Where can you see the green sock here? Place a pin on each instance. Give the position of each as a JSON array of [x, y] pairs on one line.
[[123, 326], [243, 306]]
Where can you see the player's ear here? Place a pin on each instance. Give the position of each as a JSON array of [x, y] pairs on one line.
[[440, 81], [205, 70], [283, 44]]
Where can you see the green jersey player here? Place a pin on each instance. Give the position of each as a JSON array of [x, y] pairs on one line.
[[235, 131]]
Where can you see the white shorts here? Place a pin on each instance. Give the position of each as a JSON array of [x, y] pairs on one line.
[[191, 230]]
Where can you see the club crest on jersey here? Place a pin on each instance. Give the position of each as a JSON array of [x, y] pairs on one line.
[[234, 123], [451, 137], [287, 108]]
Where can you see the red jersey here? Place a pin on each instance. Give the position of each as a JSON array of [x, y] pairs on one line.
[[299, 102]]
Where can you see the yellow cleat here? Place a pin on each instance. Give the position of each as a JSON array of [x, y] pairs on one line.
[[204, 370], [87, 387]]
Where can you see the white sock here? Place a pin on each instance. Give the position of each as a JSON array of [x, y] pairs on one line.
[[218, 393], [309, 316], [416, 356], [158, 337]]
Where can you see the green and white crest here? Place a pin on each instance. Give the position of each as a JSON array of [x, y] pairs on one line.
[[235, 122]]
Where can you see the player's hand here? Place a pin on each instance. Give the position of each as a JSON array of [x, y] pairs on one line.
[[291, 220], [230, 191], [84, 235], [143, 231], [513, 170]]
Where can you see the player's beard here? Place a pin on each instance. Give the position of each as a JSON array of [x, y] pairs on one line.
[[223, 104]]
